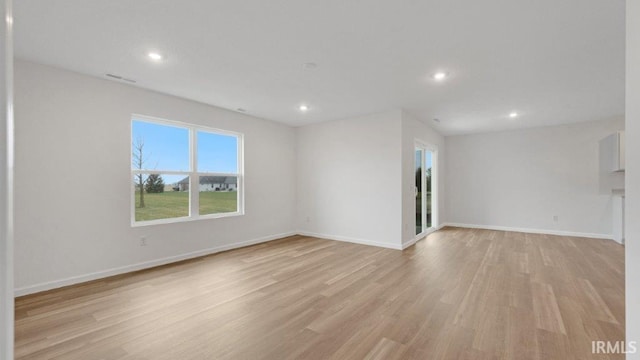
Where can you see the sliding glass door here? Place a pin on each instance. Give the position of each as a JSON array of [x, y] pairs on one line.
[[428, 188], [419, 202], [424, 188]]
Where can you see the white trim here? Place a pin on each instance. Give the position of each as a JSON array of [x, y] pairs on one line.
[[181, 124], [424, 147], [183, 219], [435, 189], [431, 230], [532, 231], [144, 265], [351, 240], [7, 168], [410, 243]]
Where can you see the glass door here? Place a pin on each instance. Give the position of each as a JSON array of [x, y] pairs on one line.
[[418, 191], [424, 189]]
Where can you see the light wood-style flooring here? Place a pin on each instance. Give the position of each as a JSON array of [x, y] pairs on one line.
[[458, 294]]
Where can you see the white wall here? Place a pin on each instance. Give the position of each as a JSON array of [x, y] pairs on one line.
[[349, 179], [73, 179], [632, 245], [414, 130], [6, 171], [521, 179]]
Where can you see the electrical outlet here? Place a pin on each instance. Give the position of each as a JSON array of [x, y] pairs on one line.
[[143, 241], [555, 218]]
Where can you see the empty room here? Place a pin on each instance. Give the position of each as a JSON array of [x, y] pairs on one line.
[[427, 179]]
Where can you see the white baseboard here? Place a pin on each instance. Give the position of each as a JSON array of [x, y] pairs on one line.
[[406, 244], [32, 289], [533, 231], [351, 240], [153, 263], [409, 243]]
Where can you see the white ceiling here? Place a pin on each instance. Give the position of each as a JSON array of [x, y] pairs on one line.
[[553, 61]]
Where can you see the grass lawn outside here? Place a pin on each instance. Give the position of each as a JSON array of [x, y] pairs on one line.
[[218, 202], [173, 204]]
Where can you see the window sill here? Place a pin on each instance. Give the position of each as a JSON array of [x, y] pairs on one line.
[[185, 219]]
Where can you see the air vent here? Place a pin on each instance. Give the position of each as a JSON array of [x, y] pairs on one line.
[[118, 77]]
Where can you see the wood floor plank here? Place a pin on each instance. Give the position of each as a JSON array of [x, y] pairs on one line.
[[457, 294], [546, 310]]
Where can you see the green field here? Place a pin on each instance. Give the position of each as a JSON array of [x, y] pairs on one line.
[[172, 204]]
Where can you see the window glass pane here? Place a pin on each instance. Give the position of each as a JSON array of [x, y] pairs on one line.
[[161, 196], [218, 194], [159, 147], [217, 153]]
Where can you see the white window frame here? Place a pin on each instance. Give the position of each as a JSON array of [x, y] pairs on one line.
[[192, 173]]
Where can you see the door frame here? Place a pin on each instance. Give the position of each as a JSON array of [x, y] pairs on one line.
[[424, 147]]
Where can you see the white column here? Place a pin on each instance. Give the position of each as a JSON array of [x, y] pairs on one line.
[[6, 180], [632, 174]]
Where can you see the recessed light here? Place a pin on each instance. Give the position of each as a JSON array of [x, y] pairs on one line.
[[155, 56], [303, 107], [513, 115], [439, 76]]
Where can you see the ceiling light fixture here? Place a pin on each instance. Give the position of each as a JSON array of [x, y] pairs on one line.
[[303, 108], [155, 56], [513, 115], [439, 76]]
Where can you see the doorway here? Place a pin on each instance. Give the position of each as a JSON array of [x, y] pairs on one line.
[[425, 189]]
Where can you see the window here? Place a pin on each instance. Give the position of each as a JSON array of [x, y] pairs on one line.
[[183, 172]]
